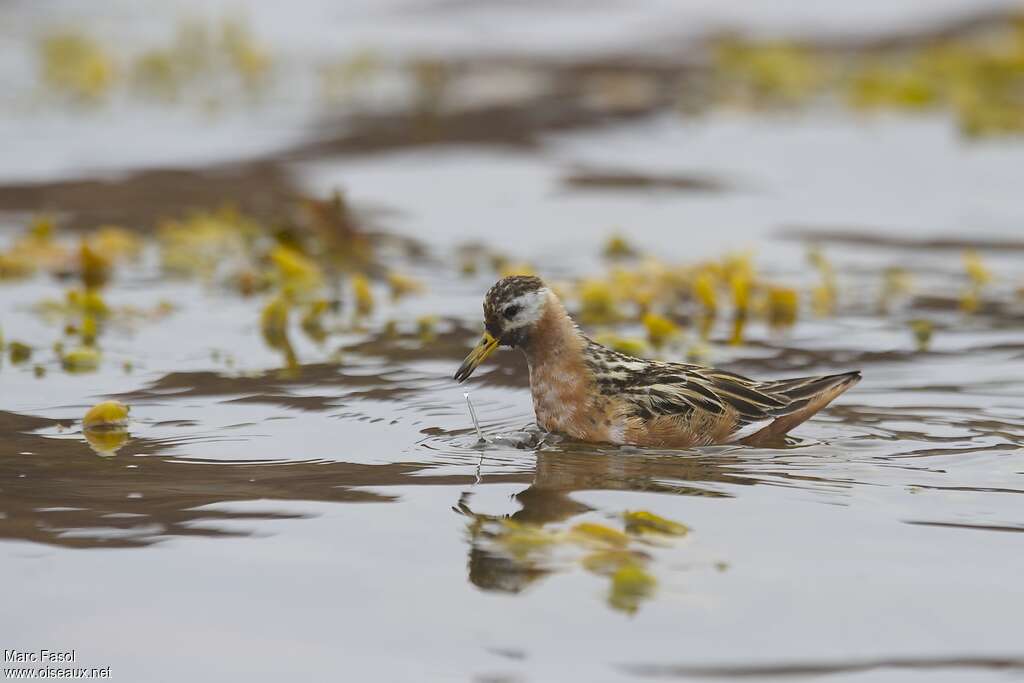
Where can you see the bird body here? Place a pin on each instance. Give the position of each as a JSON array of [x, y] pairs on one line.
[[591, 393]]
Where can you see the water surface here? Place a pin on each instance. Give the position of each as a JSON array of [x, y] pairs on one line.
[[339, 518]]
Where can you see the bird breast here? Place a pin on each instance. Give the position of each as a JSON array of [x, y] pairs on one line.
[[558, 396]]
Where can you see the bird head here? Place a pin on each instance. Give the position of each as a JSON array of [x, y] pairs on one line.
[[511, 309]]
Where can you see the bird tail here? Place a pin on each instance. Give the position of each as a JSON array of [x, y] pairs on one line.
[[806, 395]]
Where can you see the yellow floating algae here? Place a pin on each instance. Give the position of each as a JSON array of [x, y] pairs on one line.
[[593, 534], [922, 331], [339, 79], [977, 77], [42, 228], [597, 302], [977, 272], [95, 266], [516, 268], [704, 291], [769, 73], [18, 352], [607, 562], [76, 64], [106, 442], [15, 267], [251, 60], [274, 321], [201, 244], [783, 306], [985, 92], [295, 271], [623, 558], [896, 283], [660, 330], [88, 301], [363, 294], [156, 73], [83, 68], [978, 275], [82, 359], [33, 250], [88, 330], [627, 345], [274, 328], [426, 327], [644, 522], [740, 284], [403, 285], [823, 298], [881, 85], [108, 414], [739, 325], [115, 242], [521, 541], [618, 246], [816, 257], [637, 286], [631, 585], [737, 270], [312, 322], [823, 295]]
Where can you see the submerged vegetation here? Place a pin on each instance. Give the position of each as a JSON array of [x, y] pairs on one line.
[[297, 267], [320, 274], [105, 427], [208, 353], [645, 306], [199, 60], [621, 556], [314, 284], [978, 77]]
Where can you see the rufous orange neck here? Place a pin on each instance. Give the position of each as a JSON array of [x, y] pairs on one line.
[[554, 339], [559, 379]]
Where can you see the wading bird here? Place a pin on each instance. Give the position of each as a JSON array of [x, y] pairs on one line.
[[591, 393]]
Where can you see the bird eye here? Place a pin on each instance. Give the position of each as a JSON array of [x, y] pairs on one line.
[[511, 311]]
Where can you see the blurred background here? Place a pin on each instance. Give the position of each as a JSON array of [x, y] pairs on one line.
[[544, 113], [265, 229]]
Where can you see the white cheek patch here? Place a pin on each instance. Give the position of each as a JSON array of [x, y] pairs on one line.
[[532, 308]]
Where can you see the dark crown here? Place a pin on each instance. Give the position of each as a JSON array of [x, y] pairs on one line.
[[505, 290]]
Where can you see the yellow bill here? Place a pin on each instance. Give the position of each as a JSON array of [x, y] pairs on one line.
[[477, 356]]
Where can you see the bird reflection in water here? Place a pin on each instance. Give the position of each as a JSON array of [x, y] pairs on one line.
[[551, 532]]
